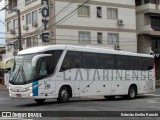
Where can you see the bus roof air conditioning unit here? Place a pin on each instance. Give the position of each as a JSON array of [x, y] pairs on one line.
[[120, 22], [25, 27], [34, 24]]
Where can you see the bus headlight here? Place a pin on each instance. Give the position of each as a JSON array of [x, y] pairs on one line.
[[31, 94], [30, 88]]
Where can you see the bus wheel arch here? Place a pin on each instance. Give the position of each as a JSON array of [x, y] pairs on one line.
[[132, 91], [65, 92]]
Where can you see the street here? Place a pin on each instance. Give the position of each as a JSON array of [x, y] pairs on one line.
[[149, 102]]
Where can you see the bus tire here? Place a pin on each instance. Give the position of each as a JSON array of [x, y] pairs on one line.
[[63, 95], [132, 92], [39, 101]]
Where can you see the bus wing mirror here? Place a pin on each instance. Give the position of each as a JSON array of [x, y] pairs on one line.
[[8, 59], [37, 57]]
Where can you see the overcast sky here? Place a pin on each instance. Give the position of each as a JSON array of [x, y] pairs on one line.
[[2, 26]]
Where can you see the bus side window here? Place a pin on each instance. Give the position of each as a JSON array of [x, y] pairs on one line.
[[90, 60], [72, 60], [107, 61], [122, 62], [135, 63], [147, 63]]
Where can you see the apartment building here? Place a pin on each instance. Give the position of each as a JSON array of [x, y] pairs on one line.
[[31, 24], [110, 23], [148, 29], [107, 23]]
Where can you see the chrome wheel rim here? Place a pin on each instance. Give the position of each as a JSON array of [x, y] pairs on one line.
[[132, 93], [64, 95]]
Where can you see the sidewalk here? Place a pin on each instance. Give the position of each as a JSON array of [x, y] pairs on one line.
[[2, 88]]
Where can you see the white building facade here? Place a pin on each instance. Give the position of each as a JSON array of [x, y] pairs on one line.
[[106, 23], [31, 25]]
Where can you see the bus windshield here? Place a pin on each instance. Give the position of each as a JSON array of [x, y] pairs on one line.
[[22, 71]]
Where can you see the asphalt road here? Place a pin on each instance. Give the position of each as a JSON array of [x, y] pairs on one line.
[[149, 102]]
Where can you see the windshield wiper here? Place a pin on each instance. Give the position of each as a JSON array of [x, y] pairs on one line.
[[16, 74]]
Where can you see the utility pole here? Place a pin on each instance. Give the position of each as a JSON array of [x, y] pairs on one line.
[[19, 30]]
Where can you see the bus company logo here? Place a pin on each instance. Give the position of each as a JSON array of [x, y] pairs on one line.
[[6, 114]]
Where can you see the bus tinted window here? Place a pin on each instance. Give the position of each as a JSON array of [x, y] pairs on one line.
[[90, 60], [71, 60], [147, 63], [122, 62], [107, 62], [52, 61], [135, 63]]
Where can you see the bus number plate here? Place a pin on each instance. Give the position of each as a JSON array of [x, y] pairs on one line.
[[18, 95]]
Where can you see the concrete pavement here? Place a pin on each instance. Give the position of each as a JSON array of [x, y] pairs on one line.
[[2, 88]]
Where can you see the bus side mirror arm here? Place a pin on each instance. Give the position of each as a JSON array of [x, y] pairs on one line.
[[8, 59], [37, 57]]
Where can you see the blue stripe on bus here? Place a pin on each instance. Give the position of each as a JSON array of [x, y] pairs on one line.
[[35, 90]]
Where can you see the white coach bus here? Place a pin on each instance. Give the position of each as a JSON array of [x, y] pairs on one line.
[[65, 71]]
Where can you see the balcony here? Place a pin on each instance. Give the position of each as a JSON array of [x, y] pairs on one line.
[[148, 8], [149, 30]]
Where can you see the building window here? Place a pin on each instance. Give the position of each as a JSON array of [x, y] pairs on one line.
[[15, 23], [12, 4], [84, 37], [138, 2], [155, 23], [9, 48], [29, 1], [113, 38], [84, 11], [28, 42], [99, 37], [112, 13], [28, 18], [34, 16], [151, 1], [35, 40], [99, 12], [15, 45], [9, 26]]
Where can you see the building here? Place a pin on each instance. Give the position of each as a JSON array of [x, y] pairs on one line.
[[148, 29], [31, 24], [2, 51], [107, 23], [110, 23]]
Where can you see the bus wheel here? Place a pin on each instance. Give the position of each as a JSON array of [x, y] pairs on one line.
[[132, 92], [63, 95], [39, 101]]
